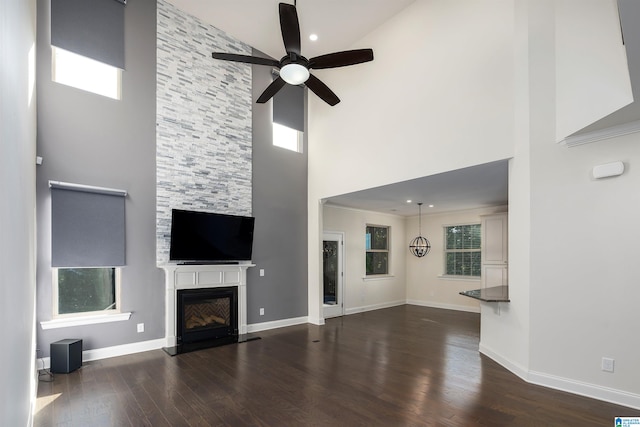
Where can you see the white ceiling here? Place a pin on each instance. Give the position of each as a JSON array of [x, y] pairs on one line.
[[469, 188], [339, 24]]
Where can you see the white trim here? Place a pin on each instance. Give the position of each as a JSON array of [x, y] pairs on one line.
[[84, 320], [374, 277], [319, 321], [515, 368], [445, 306], [601, 134], [179, 277], [257, 327], [593, 391], [87, 188], [114, 351], [372, 307], [459, 278], [568, 385], [328, 203]]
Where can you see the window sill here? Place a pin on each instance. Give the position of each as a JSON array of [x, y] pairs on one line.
[[459, 278], [378, 277], [84, 320]]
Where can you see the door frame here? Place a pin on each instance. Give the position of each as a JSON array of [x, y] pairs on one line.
[[338, 309]]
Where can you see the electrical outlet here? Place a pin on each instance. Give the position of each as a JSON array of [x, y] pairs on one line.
[[261, 272], [261, 311], [607, 364], [140, 327]]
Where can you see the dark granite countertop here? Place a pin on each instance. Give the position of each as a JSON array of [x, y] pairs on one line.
[[493, 294]]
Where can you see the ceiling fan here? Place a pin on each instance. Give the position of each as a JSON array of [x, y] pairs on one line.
[[294, 68]]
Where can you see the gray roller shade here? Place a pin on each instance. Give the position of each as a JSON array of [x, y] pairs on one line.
[[91, 28], [288, 107], [87, 227]]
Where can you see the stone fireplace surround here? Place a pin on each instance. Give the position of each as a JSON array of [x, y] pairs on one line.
[[199, 277]]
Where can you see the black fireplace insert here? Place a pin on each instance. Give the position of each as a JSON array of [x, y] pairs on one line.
[[206, 314]]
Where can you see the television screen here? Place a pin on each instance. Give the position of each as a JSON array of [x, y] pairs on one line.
[[204, 237]]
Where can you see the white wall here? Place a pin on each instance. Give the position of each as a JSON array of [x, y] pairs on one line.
[[17, 210], [425, 286], [584, 283], [588, 42], [454, 111], [360, 294], [572, 241], [573, 287]]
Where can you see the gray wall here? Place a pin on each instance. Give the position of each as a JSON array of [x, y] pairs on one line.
[[17, 219], [89, 139], [280, 208]]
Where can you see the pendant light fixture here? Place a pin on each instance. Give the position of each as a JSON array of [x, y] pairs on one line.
[[420, 246]]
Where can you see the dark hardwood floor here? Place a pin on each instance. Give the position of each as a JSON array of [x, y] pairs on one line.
[[403, 366]]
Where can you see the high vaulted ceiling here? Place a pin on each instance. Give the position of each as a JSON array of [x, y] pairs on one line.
[[338, 23]]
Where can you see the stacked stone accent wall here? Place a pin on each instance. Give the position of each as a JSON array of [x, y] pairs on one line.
[[203, 120]]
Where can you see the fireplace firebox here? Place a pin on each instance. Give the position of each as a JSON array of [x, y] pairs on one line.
[[206, 314]]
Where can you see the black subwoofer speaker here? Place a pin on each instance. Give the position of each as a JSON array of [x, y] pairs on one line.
[[66, 355]]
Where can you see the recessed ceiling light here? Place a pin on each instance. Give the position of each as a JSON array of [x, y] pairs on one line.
[[313, 37], [409, 201], [430, 206]]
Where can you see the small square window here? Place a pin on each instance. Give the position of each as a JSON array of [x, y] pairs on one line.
[[86, 290], [84, 73], [286, 137]]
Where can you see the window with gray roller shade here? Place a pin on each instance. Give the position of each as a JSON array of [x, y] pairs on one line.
[[91, 28], [87, 226], [288, 107]]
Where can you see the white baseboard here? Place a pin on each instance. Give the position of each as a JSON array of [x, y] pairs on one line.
[[517, 369], [316, 321], [138, 347], [593, 391], [257, 327], [568, 385], [445, 306], [116, 350], [372, 307]]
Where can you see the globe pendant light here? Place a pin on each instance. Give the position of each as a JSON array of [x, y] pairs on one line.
[[419, 246]]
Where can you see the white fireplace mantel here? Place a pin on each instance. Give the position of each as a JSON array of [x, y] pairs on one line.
[[199, 277]]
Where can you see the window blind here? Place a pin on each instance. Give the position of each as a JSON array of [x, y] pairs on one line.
[[87, 226], [91, 28], [288, 107]]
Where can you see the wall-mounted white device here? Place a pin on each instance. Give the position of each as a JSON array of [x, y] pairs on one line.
[[607, 170]]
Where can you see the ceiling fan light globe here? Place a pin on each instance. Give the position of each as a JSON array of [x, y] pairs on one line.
[[294, 74]]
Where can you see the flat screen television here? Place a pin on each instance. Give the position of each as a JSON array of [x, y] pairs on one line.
[[210, 238]]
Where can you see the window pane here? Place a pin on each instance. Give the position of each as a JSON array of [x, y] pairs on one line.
[[285, 137], [463, 237], [378, 236], [377, 263], [86, 289], [463, 263], [84, 73]]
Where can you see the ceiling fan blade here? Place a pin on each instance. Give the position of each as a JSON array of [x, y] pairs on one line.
[[245, 59], [341, 59], [322, 90], [271, 90], [290, 27]]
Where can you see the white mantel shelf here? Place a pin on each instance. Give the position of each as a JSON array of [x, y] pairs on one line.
[[178, 276]]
